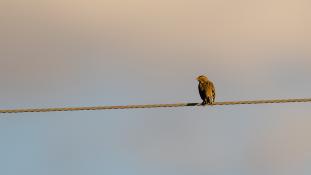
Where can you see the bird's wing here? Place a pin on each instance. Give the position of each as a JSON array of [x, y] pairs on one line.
[[211, 90]]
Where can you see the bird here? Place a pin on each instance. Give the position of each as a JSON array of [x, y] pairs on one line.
[[206, 90]]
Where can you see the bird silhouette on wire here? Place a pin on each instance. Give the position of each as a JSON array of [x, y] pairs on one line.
[[206, 90]]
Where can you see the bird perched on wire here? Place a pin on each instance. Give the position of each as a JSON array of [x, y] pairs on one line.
[[206, 90]]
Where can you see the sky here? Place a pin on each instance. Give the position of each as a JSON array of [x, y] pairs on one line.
[[111, 52]]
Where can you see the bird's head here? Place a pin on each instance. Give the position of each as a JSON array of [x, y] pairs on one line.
[[202, 78]]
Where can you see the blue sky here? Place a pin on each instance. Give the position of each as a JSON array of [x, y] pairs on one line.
[[76, 53]]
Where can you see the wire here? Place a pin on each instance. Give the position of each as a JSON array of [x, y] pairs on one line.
[[154, 106]]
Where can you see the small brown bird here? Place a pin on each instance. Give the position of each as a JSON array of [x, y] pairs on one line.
[[206, 90]]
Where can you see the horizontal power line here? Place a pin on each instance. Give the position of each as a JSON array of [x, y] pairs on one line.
[[154, 105]]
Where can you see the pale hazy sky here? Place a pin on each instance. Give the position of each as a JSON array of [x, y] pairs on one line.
[[87, 53]]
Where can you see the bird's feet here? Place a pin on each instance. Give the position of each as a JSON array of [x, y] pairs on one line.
[[207, 103]]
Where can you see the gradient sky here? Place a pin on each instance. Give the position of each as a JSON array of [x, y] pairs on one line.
[[89, 53]]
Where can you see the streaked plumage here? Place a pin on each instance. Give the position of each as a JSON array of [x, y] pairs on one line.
[[206, 90]]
